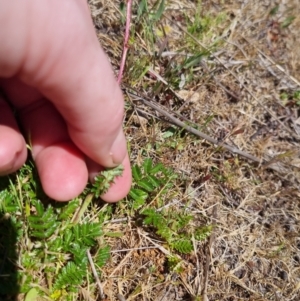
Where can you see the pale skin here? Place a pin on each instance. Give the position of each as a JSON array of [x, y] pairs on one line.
[[57, 78]]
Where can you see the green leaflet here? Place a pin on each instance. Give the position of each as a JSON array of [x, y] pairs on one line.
[[102, 256], [105, 179], [70, 275]]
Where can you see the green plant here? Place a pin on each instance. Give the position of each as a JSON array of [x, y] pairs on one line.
[[290, 98], [175, 228], [53, 239], [149, 181], [152, 181]]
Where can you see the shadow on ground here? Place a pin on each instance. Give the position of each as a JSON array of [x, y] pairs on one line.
[[9, 287]]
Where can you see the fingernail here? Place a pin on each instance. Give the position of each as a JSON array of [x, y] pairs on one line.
[[118, 150]]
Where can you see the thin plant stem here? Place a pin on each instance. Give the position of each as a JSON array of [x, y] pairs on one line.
[[126, 38], [102, 296]]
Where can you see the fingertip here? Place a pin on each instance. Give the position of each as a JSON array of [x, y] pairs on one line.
[[118, 151], [13, 151], [62, 171], [121, 186]]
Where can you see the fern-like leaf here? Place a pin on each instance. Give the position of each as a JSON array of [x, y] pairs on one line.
[[70, 275], [86, 233], [105, 179], [182, 245], [44, 224], [156, 169], [39, 207], [79, 255], [154, 181], [164, 232], [69, 209], [7, 202], [138, 194], [153, 218], [136, 173], [147, 165], [102, 256], [146, 184], [203, 233]]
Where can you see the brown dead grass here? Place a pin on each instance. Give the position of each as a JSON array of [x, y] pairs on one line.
[[254, 252]]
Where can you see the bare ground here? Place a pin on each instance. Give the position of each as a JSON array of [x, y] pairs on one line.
[[246, 82]]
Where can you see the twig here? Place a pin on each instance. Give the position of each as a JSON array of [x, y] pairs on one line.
[[117, 220], [198, 133], [208, 257], [197, 278], [102, 296], [159, 247], [132, 249], [123, 262], [233, 149], [126, 38]]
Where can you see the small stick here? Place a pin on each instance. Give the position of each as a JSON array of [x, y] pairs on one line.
[[208, 257], [200, 134], [102, 296], [126, 38]]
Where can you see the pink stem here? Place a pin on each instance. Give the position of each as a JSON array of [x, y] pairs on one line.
[[126, 38]]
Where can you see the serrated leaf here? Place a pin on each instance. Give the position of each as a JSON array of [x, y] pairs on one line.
[[147, 165], [45, 233], [70, 275], [102, 256], [8, 202], [86, 233], [203, 233], [68, 238], [183, 246], [136, 172], [138, 203], [153, 218], [154, 181], [80, 256], [56, 244], [69, 209], [147, 185], [164, 231], [156, 168], [105, 178], [137, 194], [39, 206]]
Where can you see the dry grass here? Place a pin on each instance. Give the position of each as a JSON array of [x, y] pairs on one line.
[[234, 94]]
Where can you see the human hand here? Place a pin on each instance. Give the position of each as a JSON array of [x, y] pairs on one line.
[[58, 79]]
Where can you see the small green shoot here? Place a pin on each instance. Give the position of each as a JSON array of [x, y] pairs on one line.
[[105, 179], [287, 21]]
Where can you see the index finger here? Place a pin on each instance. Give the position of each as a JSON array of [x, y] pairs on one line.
[[61, 57]]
